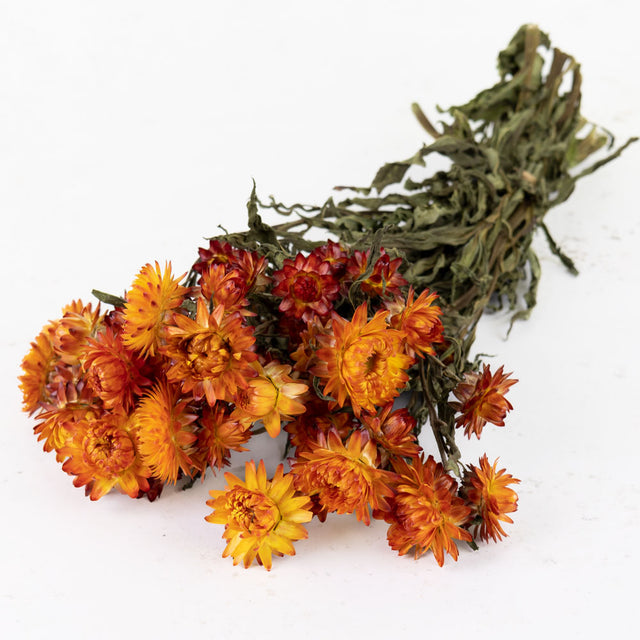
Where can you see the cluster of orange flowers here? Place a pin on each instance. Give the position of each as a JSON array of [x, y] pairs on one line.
[[171, 381]]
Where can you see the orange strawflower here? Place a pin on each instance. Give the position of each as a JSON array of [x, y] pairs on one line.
[[482, 400], [72, 403], [344, 479], [393, 431], [113, 372], [272, 396], [427, 514], [152, 297], [262, 518], [304, 355], [488, 492], [165, 431], [211, 355], [79, 322], [54, 358], [219, 434], [37, 366], [363, 361], [420, 321], [103, 455], [225, 287]]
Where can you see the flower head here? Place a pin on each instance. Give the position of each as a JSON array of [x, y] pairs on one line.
[[217, 253], [481, 400], [363, 361], [225, 287], [165, 431], [79, 322], [385, 279], [219, 434], [344, 478], [420, 320], [491, 498], [210, 355], [103, 454], [248, 264], [272, 396], [307, 287], [262, 518], [37, 366], [114, 373], [427, 514], [393, 431], [306, 430], [336, 255], [152, 297], [251, 267]]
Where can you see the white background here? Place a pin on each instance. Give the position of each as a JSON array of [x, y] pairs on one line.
[[129, 130]]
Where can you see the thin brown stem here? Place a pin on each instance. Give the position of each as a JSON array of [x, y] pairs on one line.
[[434, 421]]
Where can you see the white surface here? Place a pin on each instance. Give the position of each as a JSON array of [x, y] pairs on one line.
[[129, 130]]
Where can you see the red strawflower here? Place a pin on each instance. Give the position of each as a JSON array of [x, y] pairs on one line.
[[337, 257], [217, 253], [249, 264], [306, 286]]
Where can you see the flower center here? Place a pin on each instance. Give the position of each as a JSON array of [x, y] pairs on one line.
[[208, 355], [252, 511], [375, 364], [305, 288], [109, 449], [110, 378]]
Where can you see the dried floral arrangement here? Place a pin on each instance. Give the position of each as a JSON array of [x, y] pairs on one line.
[[270, 330]]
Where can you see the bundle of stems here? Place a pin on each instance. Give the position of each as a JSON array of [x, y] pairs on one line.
[[465, 232]]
